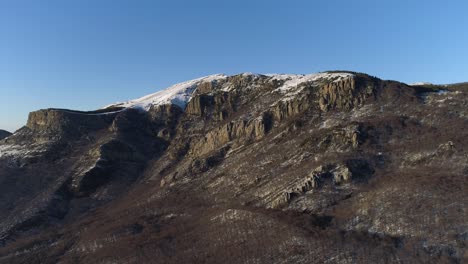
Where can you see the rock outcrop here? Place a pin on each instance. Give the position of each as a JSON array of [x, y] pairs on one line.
[[331, 174], [343, 138], [289, 108], [217, 106], [238, 131], [198, 104], [345, 94], [106, 158], [61, 122]]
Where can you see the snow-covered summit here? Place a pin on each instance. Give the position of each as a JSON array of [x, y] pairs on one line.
[[178, 94]]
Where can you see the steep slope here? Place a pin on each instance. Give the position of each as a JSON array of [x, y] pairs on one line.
[[4, 134], [335, 167]]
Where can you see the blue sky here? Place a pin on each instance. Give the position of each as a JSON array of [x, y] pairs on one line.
[[84, 54]]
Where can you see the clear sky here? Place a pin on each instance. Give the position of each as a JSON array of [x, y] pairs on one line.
[[84, 54]]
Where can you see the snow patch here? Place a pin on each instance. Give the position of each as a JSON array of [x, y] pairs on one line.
[[421, 83], [292, 81]]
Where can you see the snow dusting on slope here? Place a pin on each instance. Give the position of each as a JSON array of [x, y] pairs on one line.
[[23, 151], [10, 150], [179, 94], [292, 81]]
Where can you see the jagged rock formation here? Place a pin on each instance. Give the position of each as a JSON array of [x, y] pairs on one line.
[[336, 167], [4, 134]]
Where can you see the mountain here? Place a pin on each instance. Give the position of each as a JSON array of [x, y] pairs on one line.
[[4, 134], [334, 167]]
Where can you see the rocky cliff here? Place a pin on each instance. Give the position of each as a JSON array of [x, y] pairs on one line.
[[336, 167]]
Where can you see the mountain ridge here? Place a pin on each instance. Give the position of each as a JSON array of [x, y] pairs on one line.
[[248, 168]]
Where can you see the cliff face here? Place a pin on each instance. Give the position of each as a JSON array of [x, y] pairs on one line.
[[335, 167]]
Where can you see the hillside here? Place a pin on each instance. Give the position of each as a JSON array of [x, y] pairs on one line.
[[334, 167], [4, 134]]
